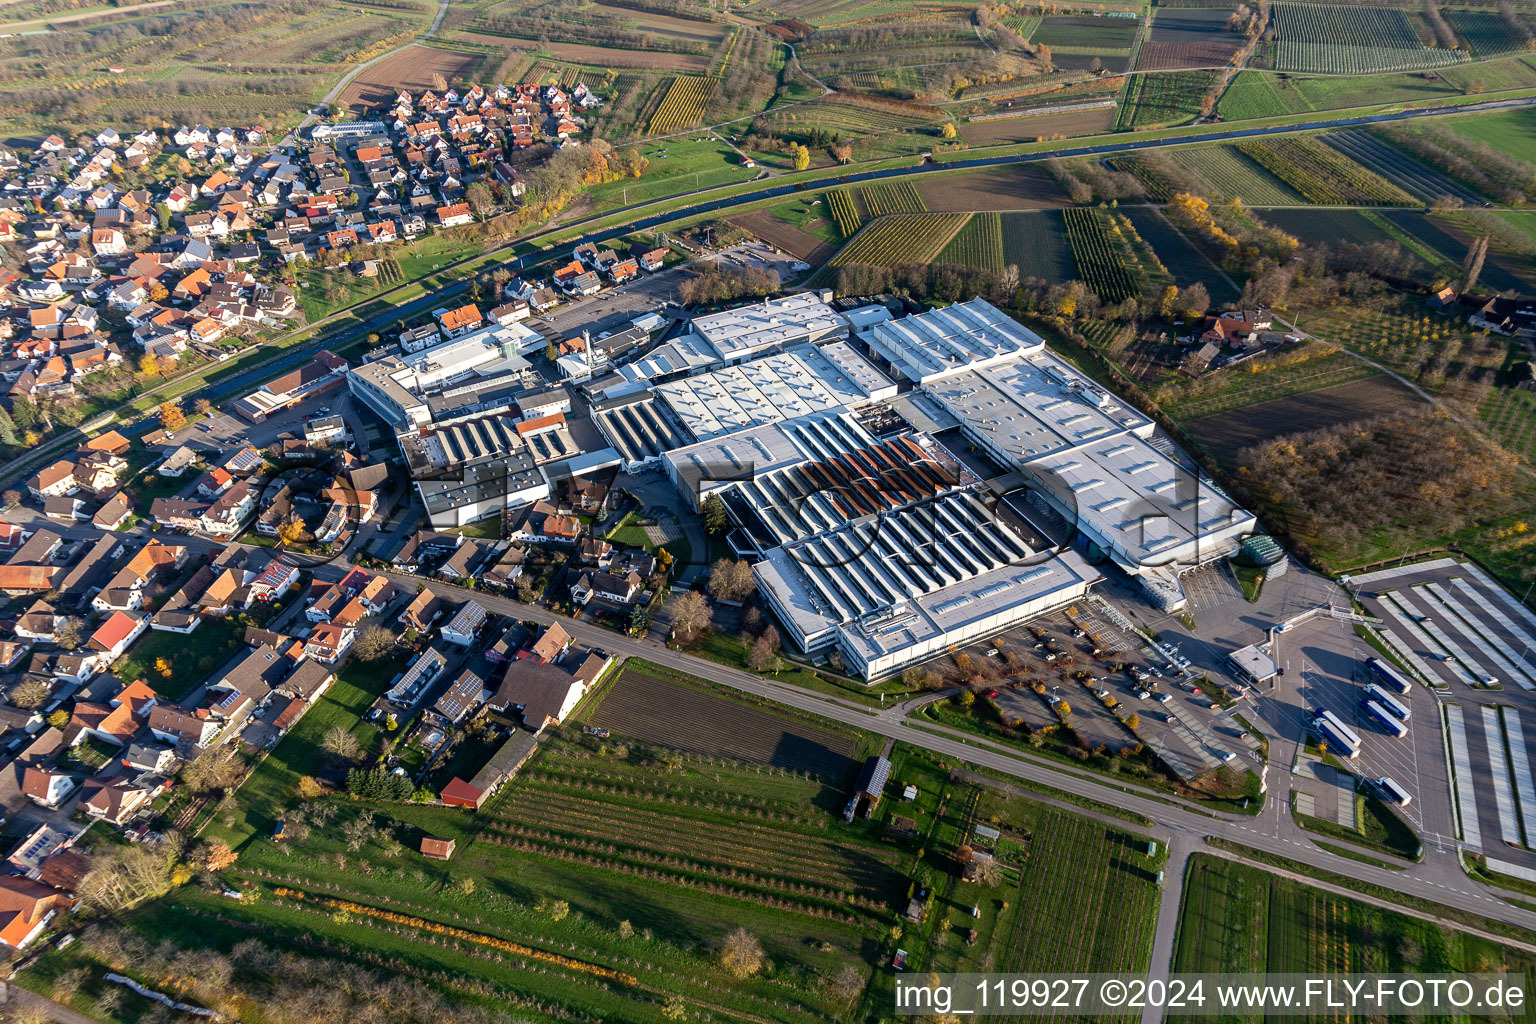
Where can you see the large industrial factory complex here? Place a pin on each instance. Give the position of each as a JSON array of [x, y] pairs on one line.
[[901, 485]]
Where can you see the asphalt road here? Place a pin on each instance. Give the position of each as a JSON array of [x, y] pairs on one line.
[[301, 354], [1272, 831]]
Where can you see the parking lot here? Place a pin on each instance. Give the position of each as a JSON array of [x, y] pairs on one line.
[[611, 310], [1324, 664], [1475, 647], [1183, 727]]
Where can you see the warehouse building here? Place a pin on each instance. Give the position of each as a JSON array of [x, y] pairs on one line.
[[784, 481], [401, 388], [966, 336], [894, 588], [785, 385], [469, 471], [638, 428], [772, 325], [1094, 459]]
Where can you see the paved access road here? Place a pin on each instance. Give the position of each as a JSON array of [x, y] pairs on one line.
[[426, 303], [1272, 831]]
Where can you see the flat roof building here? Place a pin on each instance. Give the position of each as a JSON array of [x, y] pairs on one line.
[[398, 387], [891, 589], [747, 331], [785, 385], [965, 336], [1096, 460]]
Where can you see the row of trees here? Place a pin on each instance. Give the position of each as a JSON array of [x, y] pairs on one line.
[[716, 284]]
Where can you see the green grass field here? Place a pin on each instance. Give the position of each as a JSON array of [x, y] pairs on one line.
[[1164, 99], [1510, 132], [191, 660], [1266, 94]]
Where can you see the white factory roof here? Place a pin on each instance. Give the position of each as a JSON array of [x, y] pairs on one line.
[[758, 450], [790, 320], [683, 354], [865, 375], [945, 341], [898, 580], [1094, 455], [1035, 405], [786, 385], [475, 351]]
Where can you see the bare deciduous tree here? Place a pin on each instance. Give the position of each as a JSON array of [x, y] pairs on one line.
[[689, 613], [730, 579], [341, 744], [742, 954]]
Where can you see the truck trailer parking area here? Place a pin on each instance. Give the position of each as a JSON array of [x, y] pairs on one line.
[[1453, 628]]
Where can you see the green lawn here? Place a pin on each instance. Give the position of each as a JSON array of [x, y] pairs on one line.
[[1512, 132], [270, 790], [676, 166], [192, 659]]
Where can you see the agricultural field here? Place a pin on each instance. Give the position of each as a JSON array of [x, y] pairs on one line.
[[1439, 354], [648, 704], [1097, 877], [604, 879], [1222, 435], [1312, 226], [1077, 41], [1440, 235], [979, 244], [1231, 174], [1238, 918], [1299, 372], [1509, 417], [1323, 175], [1028, 187], [903, 238], [1163, 100], [1037, 127], [1381, 39], [1486, 32], [682, 106], [1186, 263], [1511, 132], [226, 63], [1100, 263], [776, 231], [845, 211], [1218, 172], [892, 197], [1036, 243], [412, 69], [1422, 182], [1188, 38], [1086, 32]]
